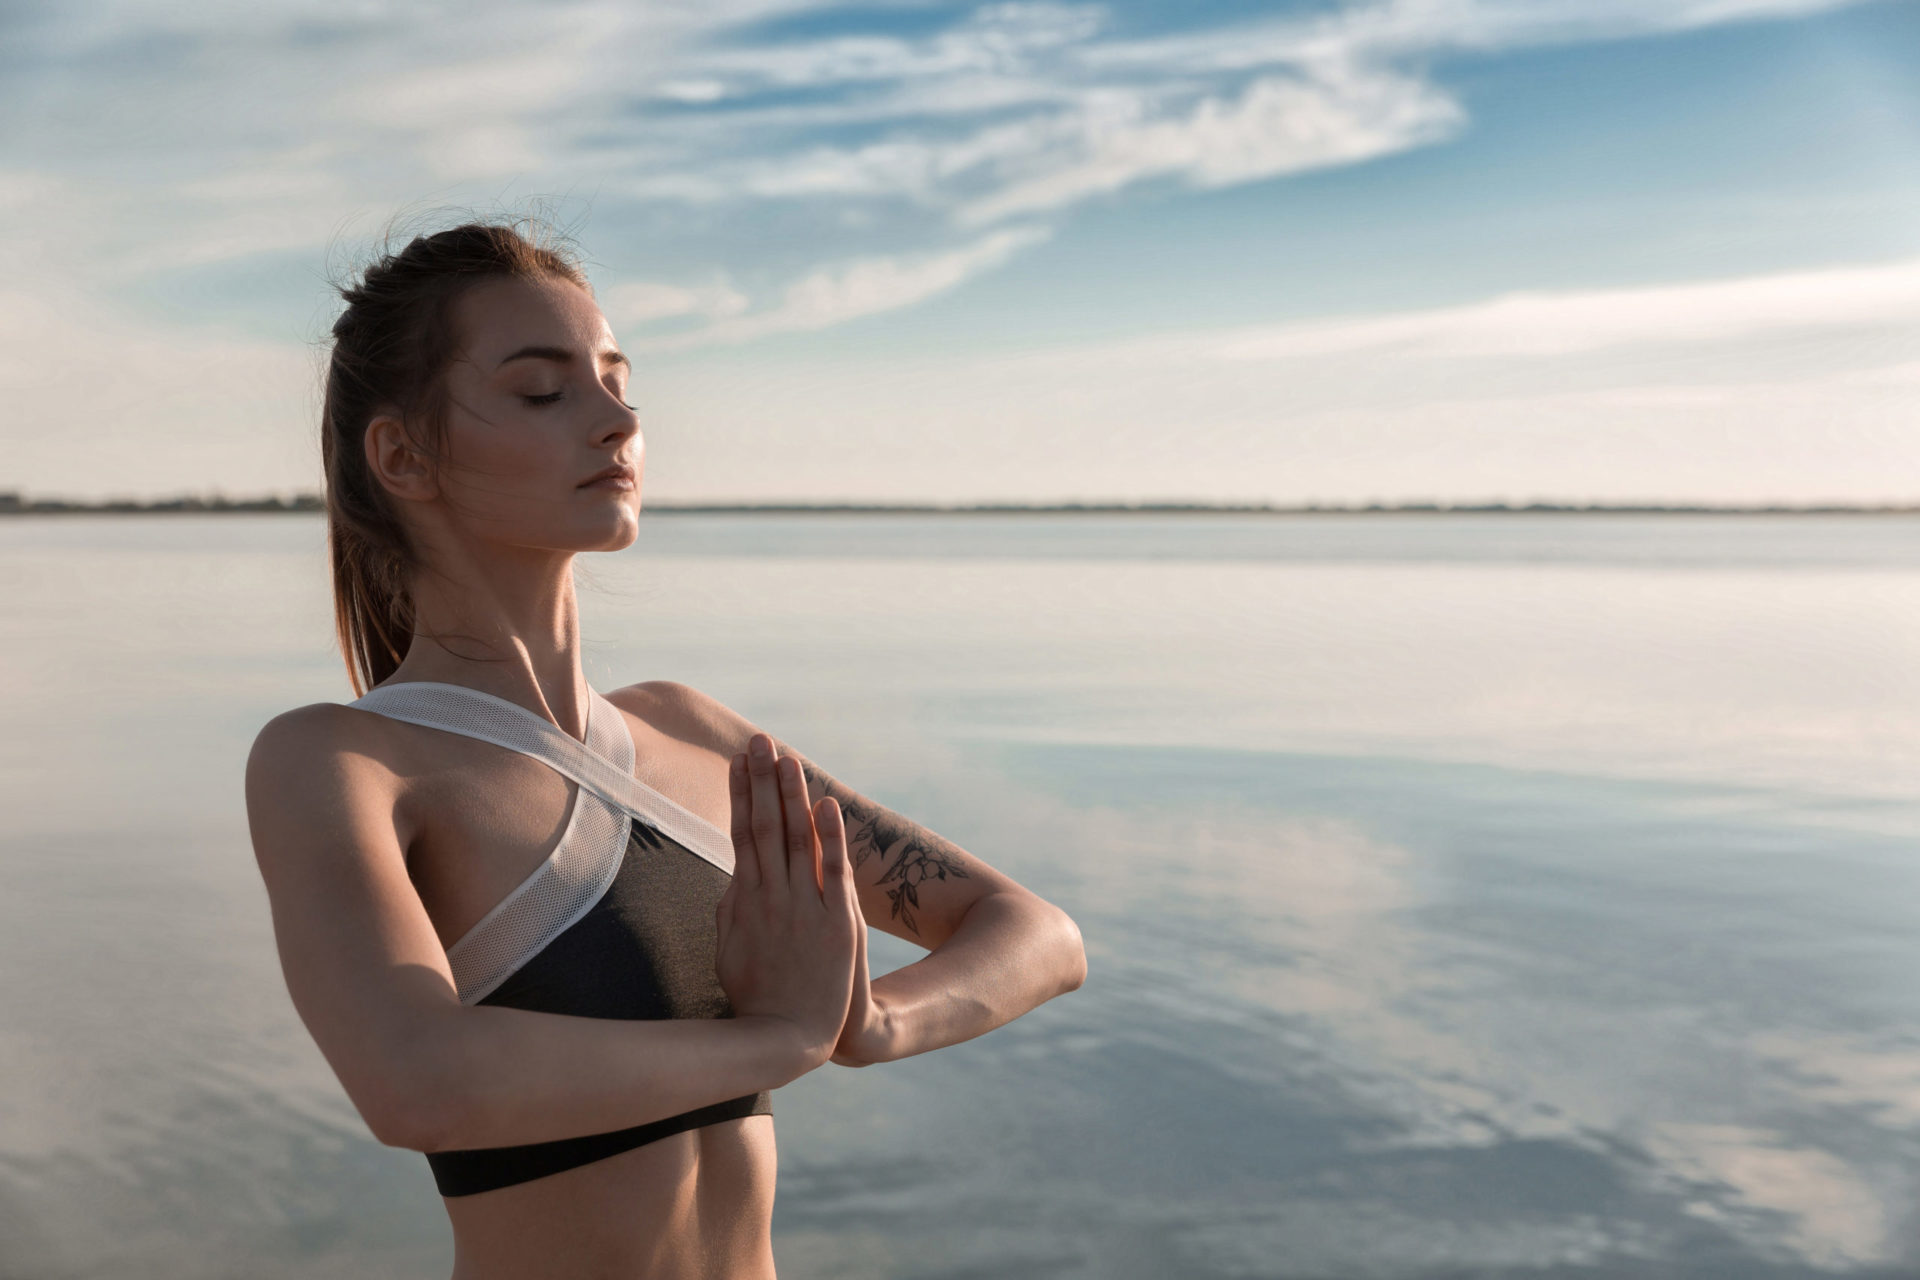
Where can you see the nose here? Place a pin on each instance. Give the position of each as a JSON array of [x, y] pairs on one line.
[[623, 422]]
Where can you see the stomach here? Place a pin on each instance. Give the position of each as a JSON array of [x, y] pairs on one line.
[[685, 1207]]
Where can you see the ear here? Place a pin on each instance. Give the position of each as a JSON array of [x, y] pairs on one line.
[[396, 462]]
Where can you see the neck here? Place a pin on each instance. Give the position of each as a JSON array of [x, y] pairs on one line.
[[505, 622]]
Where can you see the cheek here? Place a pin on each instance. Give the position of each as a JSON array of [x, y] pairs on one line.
[[511, 446]]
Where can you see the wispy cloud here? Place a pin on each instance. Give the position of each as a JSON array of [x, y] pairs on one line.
[[845, 291], [1276, 126], [640, 302], [1558, 324], [995, 39], [1010, 111], [1782, 387], [1094, 114], [194, 152], [1390, 30]]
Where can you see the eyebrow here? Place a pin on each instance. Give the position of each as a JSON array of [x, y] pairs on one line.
[[562, 355]]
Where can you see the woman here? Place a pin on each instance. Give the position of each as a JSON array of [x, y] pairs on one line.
[[565, 943]]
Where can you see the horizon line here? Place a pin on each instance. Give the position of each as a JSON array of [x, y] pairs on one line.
[[14, 502]]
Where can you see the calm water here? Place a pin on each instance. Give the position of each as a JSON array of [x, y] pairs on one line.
[[1498, 896]]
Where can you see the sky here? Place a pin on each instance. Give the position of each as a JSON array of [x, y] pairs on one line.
[[1335, 251]]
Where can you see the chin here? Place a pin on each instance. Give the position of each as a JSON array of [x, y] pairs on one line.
[[618, 530]]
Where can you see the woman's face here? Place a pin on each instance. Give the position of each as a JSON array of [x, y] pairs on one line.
[[536, 408]]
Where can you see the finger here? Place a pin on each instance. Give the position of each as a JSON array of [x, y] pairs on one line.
[[746, 863], [803, 856], [836, 864], [860, 1007], [861, 989], [853, 1046], [862, 981], [860, 978], [769, 828], [836, 872]]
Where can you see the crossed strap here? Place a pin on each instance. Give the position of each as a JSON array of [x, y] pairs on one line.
[[457, 709]]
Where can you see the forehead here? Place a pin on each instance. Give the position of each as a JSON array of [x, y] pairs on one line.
[[495, 318]]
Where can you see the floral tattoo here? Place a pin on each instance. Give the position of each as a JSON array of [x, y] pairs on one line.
[[910, 854]]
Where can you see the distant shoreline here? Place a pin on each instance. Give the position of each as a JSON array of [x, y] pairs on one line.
[[15, 504]]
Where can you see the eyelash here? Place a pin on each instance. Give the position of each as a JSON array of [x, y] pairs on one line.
[[554, 397]]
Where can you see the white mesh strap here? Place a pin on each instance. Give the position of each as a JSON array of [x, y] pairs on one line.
[[588, 856], [458, 709]]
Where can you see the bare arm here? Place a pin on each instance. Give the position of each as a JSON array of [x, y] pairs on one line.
[[996, 948], [370, 980]]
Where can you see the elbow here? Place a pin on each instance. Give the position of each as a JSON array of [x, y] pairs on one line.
[[419, 1118], [396, 1126], [416, 1105], [1073, 950]]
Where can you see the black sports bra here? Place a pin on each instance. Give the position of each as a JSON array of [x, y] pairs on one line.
[[618, 922]]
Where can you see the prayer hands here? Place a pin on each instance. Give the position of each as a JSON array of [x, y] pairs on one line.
[[790, 929]]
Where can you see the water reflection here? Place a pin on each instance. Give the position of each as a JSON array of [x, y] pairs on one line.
[[1512, 900], [1508, 1071]]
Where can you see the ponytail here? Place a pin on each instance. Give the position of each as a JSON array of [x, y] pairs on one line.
[[391, 349]]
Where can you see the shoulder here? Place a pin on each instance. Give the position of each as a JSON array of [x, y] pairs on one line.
[[321, 765], [682, 711], [317, 732]]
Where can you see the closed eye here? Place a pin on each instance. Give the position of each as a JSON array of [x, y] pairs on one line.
[[553, 397]]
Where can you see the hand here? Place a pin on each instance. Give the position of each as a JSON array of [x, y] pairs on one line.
[[788, 923], [867, 1036]]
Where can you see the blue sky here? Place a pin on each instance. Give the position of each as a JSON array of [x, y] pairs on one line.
[[1351, 250]]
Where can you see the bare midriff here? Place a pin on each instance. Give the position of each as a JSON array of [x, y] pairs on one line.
[[687, 1207]]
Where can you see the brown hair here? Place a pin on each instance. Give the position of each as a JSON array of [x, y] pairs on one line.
[[391, 349]]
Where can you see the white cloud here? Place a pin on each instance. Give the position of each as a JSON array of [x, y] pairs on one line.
[[483, 151], [691, 91], [1092, 115], [640, 302], [1506, 24], [1797, 404], [1278, 125], [457, 94], [1101, 140], [1399, 29], [867, 286], [240, 131], [998, 39], [1549, 324], [1050, 108]]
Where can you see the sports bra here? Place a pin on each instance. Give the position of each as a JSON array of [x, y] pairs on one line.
[[618, 922]]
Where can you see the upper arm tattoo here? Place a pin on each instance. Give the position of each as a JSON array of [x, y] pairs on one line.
[[910, 855]]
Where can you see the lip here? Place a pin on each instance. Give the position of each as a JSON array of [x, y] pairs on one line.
[[618, 476]]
